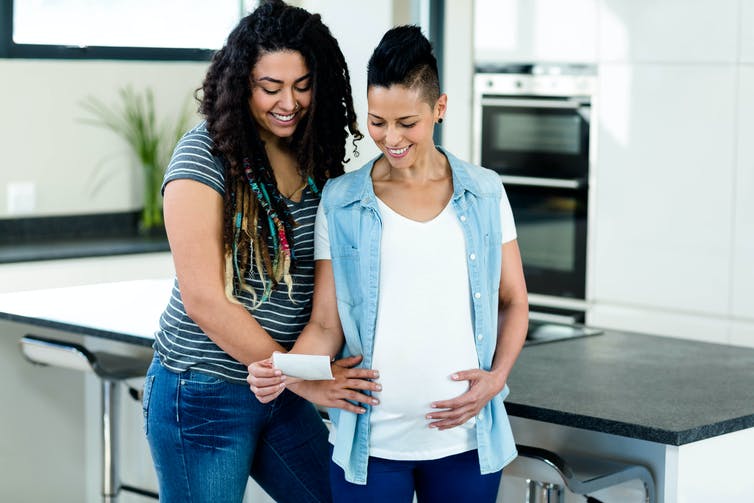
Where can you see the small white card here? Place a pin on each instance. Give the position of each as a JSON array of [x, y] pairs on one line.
[[307, 367]]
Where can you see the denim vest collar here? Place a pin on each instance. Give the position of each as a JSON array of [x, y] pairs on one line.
[[362, 189]]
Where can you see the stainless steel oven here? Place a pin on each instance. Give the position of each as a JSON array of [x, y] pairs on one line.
[[533, 126]]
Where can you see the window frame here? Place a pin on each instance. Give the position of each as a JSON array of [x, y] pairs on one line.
[[11, 50]]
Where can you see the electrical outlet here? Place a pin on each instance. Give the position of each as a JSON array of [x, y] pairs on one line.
[[21, 197]]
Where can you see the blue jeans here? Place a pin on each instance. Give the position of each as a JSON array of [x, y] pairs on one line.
[[208, 435], [452, 478]]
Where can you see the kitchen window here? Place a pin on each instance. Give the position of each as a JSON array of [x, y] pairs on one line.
[[117, 29]]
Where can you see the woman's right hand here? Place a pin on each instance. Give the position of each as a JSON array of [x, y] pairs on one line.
[[342, 392], [265, 381]]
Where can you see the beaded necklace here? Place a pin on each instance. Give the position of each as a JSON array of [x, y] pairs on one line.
[[281, 250]]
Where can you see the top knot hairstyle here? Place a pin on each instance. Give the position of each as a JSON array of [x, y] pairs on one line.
[[404, 57], [258, 227]]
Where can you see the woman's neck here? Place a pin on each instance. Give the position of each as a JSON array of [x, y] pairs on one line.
[[430, 167]]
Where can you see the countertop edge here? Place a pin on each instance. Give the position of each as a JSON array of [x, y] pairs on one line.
[[640, 432], [78, 329]]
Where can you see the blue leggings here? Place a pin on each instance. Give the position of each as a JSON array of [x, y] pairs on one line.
[[453, 478]]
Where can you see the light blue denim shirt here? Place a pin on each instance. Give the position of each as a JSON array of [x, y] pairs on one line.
[[355, 230]]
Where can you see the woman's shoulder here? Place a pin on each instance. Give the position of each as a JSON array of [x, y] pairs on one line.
[[193, 159], [197, 137], [348, 186], [483, 179]]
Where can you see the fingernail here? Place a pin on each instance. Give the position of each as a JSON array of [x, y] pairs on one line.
[[378, 387], [432, 425], [375, 401], [375, 374], [454, 376], [282, 378], [281, 385], [434, 405], [428, 417], [361, 411]]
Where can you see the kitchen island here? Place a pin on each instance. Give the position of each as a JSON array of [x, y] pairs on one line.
[[684, 409]]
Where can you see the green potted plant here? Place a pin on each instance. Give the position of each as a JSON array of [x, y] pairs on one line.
[[135, 120]]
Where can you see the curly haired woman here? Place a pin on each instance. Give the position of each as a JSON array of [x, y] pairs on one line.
[[240, 197]]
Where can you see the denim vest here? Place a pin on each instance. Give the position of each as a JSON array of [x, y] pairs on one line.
[[355, 229]]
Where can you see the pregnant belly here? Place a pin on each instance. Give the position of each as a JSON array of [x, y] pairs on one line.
[[409, 394]]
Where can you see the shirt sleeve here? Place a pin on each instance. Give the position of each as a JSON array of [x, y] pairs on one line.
[[508, 226], [321, 238], [192, 159]]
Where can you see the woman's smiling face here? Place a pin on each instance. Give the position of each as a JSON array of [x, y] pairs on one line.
[[401, 123], [281, 93]]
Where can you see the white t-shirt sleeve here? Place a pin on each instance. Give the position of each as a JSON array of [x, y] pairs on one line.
[[507, 224], [321, 238]]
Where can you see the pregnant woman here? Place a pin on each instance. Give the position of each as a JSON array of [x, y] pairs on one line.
[[415, 257]]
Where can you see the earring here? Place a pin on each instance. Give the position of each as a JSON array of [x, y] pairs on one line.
[[439, 121]]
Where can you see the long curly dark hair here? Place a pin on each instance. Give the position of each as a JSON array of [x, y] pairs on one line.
[[253, 206]]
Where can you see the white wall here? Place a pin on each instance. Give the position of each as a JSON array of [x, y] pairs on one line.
[[458, 68]]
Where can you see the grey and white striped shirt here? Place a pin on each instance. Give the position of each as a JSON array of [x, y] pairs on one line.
[[180, 343]]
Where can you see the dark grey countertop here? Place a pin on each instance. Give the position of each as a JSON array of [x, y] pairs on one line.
[[660, 389], [79, 248], [30, 239]]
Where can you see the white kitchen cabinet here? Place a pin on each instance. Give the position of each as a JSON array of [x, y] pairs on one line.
[[538, 30], [664, 192], [713, 470], [702, 31], [743, 244], [746, 33]]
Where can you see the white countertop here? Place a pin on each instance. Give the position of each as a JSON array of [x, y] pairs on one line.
[[131, 308]]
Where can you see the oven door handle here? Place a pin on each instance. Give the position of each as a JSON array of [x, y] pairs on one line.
[[572, 104], [533, 181]]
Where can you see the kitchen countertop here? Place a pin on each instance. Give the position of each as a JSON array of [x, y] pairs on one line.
[[665, 390], [30, 239], [124, 311], [77, 248]]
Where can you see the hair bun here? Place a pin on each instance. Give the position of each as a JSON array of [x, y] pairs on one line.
[[402, 49]]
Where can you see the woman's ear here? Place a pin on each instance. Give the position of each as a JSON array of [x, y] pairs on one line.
[[441, 107]]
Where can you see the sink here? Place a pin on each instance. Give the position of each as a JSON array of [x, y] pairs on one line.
[[541, 332]]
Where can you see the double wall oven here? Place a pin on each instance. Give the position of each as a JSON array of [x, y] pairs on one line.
[[533, 126]]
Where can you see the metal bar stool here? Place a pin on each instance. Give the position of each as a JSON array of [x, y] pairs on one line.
[[110, 368], [548, 473]]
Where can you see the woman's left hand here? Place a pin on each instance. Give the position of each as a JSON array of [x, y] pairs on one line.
[[483, 386]]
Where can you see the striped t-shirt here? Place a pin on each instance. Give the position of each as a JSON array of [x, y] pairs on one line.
[[180, 343]]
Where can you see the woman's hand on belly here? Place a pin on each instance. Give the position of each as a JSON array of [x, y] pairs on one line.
[[483, 386]]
